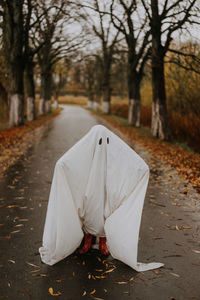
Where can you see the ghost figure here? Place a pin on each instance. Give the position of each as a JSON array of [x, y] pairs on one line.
[[98, 187]]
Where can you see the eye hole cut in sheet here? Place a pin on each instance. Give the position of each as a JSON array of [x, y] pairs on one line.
[[98, 186]]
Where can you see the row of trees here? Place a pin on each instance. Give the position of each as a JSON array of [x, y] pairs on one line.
[[144, 30], [35, 35], [116, 34]]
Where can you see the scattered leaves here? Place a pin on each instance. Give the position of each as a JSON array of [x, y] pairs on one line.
[[15, 141], [186, 162]]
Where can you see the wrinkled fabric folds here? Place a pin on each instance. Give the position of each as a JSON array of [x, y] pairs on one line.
[[98, 187]]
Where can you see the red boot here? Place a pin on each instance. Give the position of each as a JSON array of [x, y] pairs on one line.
[[87, 243], [102, 246]]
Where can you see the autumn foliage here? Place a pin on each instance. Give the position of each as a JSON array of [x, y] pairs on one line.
[[15, 141], [186, 162]]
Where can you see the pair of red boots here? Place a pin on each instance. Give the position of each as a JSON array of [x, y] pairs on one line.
[[88, 245]]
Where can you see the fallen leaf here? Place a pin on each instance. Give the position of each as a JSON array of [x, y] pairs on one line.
[[12, 261], [132, 279], [11, 206], [93, 292], [109, 271], [52, 293], [156, 203], [174, 274], [34, 271], [32, 265], [15, 231], [196, 251], [121, 282], [155, 272]]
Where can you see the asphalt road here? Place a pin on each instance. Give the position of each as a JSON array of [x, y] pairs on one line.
[[169, 231]]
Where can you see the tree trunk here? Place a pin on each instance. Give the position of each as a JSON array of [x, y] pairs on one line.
[[56, 95], [13, 38], [106, 89], [89, 103], [30, 90], [4, 94], [106, 107], [90, 99], [134, 109], [159, 124], [45, 92], [16, 95]]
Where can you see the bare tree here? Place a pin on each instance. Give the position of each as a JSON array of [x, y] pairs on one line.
[[52, 29], [60, 77], [15, 36], [125, 17], [33, 47], [103, 29], [165, 19]]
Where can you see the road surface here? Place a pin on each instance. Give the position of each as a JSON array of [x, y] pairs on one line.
[[169, 230]]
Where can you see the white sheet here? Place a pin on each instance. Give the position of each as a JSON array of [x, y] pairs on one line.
[[99, 186]]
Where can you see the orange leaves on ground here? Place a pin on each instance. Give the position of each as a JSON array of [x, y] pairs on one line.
[[51, 292], [187, 163], [15, 141]]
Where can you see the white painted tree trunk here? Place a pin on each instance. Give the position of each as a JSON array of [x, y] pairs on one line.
[[30, 108], [47, 106], [55, 104], [157, 125], [134, 112], [15, 110], [105, 107], [89, 104], [95, 105], [41, 107]]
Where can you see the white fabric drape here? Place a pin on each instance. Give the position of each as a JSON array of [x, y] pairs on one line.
[[98, 186]]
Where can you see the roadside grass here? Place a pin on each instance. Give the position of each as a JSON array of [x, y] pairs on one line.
[[73, 100]]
